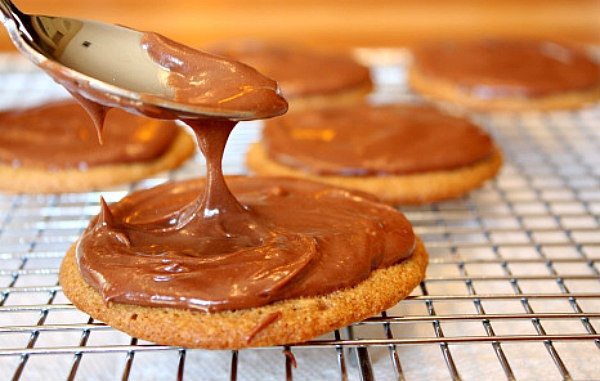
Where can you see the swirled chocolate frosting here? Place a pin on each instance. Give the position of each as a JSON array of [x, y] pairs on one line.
[[509, 68], [295, 238], [214, 246], [375, 140]]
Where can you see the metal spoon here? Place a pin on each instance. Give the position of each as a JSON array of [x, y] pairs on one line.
[[104, 63]]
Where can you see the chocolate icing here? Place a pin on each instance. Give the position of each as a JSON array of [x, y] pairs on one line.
[[26, 134], [211, 84], [202, 79], [290, 356], [267, 321], [295, 238], [299, 71], [505, 68], [374, 140], [194, 245]]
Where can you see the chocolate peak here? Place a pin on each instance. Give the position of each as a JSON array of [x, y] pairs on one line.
[[194, 245], [106, 220], [105, 217], [313, 241]]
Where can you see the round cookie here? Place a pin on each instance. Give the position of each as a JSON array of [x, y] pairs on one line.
[[228, 264], [401, 189], [287, 321], [307, 78], [506, 75], [54, 148], [403, 154]]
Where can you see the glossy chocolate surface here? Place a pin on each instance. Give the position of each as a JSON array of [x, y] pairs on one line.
[[186, 84], [299, 71], [295, 238], [200, 78], [375, 140], [214, 246], [505, 68], [61, 136]]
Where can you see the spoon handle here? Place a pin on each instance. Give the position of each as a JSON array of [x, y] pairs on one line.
[[5, 13], [6, 10]]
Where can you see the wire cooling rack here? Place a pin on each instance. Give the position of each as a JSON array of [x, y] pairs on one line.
[[512, 291]]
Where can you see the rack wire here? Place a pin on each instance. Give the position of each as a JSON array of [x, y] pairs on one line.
[[512, 290]]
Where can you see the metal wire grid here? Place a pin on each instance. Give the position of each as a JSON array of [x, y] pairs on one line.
[[512, 290]]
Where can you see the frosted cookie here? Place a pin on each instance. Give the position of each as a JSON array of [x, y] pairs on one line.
[[243, 261], [401, 153], [307, 78], [320, 259], [54, 148], [506, 74]]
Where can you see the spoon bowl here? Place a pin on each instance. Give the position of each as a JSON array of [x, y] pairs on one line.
[[103, 63]]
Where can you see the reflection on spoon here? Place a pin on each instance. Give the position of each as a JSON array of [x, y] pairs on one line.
[[145, 73]]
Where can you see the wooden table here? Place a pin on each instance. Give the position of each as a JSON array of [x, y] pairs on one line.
[[337, 23]]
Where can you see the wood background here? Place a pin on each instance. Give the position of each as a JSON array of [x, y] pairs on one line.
[[336, 23]]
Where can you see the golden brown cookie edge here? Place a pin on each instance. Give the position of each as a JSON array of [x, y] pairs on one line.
[[340, 98], [34, 180], [299, 319], [445, 92], [396, 189]]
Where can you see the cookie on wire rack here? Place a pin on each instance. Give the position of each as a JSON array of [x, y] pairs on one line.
[[283, 322], [506, 74], [402, 153], [54, 148]]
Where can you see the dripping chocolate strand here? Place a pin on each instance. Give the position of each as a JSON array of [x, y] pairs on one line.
[[96, 111], [267, 321], [212, 137], [59, 135], [193, 245]]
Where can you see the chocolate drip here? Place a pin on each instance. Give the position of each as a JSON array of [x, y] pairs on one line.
[[290, 356], [217, 199], [308, 240], [195, 245], [27, 134], [96, 112], [216, 213], [267, 321]]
